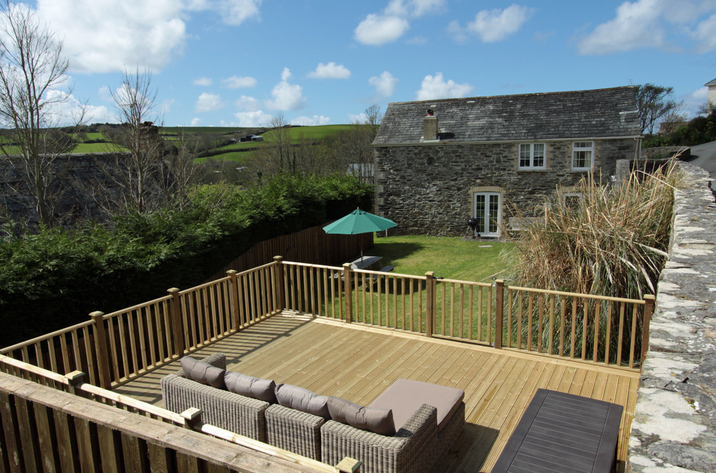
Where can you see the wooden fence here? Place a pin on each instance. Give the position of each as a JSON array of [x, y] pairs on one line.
[[311, 245], [596, 329], [53, 422]]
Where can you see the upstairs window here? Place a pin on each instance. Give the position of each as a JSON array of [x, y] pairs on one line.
[[582, 155], [532, 156]]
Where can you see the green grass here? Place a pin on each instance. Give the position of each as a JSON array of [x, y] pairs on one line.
[[449, 258], [238, 157], [82, 148]]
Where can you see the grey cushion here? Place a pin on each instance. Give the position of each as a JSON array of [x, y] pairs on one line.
[[375, 419], [262, 389], [202, 372], [302, 400], [405, 396]]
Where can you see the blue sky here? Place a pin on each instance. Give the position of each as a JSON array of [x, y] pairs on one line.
[[240, 62]]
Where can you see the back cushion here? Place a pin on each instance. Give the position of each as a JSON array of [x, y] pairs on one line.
[[202, 372], [375, 419], [261, 389], [302, 400]]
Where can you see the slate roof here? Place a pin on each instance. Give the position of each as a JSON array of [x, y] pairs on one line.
[[712, 83], [559, 115]]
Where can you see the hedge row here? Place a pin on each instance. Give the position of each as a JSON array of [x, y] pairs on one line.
[[55, 278]]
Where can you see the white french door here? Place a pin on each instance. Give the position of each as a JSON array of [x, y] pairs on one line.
[[487, 212]]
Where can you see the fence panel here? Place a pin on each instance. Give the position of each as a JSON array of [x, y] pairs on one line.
[[464, 310]]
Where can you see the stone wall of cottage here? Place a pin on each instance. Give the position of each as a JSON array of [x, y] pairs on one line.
[[427, 189]]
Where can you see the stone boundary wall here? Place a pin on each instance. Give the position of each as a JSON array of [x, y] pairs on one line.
[[662, 152], [674, 426]]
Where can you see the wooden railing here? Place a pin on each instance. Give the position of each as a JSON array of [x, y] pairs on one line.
[[606, 330], [86, 443], [115, 348]]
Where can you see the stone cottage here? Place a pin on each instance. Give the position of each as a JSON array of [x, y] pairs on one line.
[[441, 162]]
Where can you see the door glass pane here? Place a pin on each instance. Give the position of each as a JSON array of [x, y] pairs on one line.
[[480, 212], [494, 209]]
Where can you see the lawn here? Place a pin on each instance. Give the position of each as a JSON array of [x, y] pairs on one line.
[[450, 258]]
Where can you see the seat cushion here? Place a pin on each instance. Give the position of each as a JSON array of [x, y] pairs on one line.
[[262, 389], [375, 419], [405, 396], [202, 372], [302, 400]]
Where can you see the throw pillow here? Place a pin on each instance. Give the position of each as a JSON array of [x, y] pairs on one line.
[[261, 389], [375, 419], [302, 400], [202, 372]]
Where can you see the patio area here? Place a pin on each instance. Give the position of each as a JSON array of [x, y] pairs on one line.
[[358, 362]]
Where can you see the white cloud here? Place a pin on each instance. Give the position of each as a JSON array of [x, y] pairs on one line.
[[208, 103], [435, 87], [107, 35], [458, 33], [235, 12], [203, 81], [384, 84], [496, 25], [286, 97], [635, 26], [330, 71], [695, 100], [255, 118], [376, 30], [311, 121], [706, 35], [415, 8], [196, 122], [67, 110], [360, 118], [249, 104], [235, 82]]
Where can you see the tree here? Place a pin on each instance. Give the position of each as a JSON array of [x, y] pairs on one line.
[[654, 102], [137, 147], [31, 68]]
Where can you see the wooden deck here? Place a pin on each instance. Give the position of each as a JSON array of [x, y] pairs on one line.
[[357, 363]]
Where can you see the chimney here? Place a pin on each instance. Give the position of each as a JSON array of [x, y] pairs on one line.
[[430, 127]]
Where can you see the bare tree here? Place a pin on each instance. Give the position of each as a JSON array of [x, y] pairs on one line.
[[31, 68], [654, 102], [179, 169], [137, 146]]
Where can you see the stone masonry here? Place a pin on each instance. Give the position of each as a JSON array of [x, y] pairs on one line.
[[427, 188], [674, 426]]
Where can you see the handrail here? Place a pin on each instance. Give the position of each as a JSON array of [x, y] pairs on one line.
[[562, 293], [47, 336]]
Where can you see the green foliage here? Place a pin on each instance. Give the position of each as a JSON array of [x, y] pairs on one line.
[[699, 130], [55, 278]]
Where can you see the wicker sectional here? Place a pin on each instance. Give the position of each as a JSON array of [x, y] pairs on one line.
[[419, 444]]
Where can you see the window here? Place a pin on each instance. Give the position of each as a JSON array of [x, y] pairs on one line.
[[487, 213], [582, 155], [532, 156]]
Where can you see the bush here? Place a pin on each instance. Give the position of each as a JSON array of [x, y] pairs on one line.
[[55, 278]]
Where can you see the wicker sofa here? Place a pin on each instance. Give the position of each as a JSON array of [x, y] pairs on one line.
[[425, 420]]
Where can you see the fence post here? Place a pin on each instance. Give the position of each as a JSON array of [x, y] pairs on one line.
[[430, 303], [499, 311], [348, 298], [233, 280], [192, 418], [649, 302], [175, 319], [278, 282], [75, 380], [100, 346]]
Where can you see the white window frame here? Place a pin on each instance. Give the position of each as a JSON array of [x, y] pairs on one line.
[[582, 147], [532, 156], [485, 223]]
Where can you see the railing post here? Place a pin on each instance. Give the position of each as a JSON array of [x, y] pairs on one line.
[[430, 303], [192, 418], [349, 465], [278, 282], [499, 311], [75, 380], [100, 346], [348, 298], [175, 319], [649, 302], [233, 280]]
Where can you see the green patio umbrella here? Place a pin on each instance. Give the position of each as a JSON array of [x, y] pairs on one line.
[[357, 222]]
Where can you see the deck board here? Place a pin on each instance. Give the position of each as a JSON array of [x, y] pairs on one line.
[[358, 362]]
